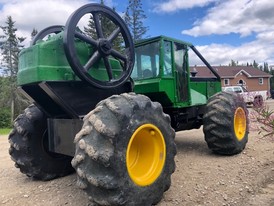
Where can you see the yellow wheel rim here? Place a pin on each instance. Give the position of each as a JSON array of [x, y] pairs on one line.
[[146, 155], [240, 123]]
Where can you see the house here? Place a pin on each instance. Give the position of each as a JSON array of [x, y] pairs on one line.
[[247, 76]]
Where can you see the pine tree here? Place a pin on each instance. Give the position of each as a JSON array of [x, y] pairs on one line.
[[90, 29], [266, 69], [10, 47], [107, 27], [233, 63], [10, 52], [33, 33], [106, 24], [272, 80], [255, 64], [134, 18]]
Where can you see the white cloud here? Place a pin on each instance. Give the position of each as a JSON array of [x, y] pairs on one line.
[[217, 54], [175, 5], [243, 17], [266, 36], [29, 14], [235, 16]]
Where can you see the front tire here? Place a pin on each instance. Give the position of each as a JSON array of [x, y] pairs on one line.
[[226, 123], [125, 152], [28, 147]]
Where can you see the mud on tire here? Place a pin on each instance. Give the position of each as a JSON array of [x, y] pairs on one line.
[[104, 158], [226, 123], [28, 147]]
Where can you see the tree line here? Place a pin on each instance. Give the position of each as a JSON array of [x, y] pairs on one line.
[[12, 103], [254, 64]]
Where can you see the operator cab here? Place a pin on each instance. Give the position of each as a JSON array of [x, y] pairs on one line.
[[161, 71], [154, 59]]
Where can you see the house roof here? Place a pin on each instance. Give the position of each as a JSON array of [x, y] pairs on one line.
[[230, 71]]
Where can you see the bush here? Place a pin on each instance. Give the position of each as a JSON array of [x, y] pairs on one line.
[[262, 119], [5, 118]]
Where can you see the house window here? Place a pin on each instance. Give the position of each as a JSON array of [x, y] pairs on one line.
[[261, 80], [226, 82], [241, 82]]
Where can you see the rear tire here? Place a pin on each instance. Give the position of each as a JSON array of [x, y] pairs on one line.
[[125, 152], [226, 123], [28, 147]]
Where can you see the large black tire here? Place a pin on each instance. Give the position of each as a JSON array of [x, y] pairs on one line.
[[28, 148], [226, 123], [122, 139]]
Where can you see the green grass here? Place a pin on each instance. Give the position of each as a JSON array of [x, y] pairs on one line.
[[4, 131]]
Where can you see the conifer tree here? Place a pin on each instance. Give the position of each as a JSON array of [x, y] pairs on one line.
[[255, 64], [134, 18], [10, 48], [233, 63], [266, 69], [33, 33], [107, 27], [106, 24]]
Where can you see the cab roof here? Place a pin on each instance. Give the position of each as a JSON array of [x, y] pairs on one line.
[[158, 38]]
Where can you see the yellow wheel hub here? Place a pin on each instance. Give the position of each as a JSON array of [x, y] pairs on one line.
[[240, 123], [146, 155]]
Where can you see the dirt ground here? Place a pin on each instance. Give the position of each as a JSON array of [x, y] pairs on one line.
[[201, 178]]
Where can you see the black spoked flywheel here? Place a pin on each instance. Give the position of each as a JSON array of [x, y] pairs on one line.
[[102, 44]]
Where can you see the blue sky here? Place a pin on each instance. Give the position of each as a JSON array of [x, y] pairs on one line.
[[242, 30]]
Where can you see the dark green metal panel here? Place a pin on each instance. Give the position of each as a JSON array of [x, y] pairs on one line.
[[168, 86], [161, 90], [202, 90], [147, 86], [213, 88], [46, 61]]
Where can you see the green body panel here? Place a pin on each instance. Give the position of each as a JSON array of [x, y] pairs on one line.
[[201, 91], [159, 89], [46, 61]]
